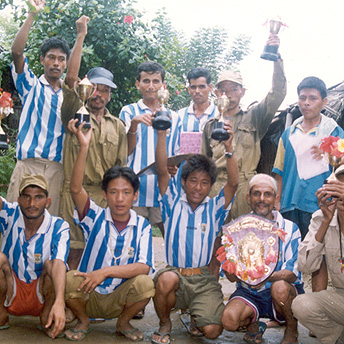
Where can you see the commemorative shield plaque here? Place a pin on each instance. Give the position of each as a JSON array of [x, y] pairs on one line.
[[250, 248]]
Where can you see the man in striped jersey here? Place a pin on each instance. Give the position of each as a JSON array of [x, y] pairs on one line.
[[201, 108], [192, 221], [112, 281], [33, 258], [41, 133], [274, 297], [142, 137]]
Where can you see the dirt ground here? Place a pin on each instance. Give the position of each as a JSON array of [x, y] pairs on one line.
[[24, 329]]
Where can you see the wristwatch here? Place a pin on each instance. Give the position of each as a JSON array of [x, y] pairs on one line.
[[229, 155]]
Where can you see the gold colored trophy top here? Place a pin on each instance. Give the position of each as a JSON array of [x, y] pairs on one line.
[[85, 89], [163, 96], [223, 105], [275, 25]]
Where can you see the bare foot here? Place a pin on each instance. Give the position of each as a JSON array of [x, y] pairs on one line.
[[132, 333], [290, 336], [163, 335], [78, 332], [253, 335]]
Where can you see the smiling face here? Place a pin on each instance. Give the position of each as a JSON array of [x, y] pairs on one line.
[[261, 199], [32, 202], [199, 90], [233, 91], [197, 187], [149, 85], [120, 196], [54, 63], [311, 103]]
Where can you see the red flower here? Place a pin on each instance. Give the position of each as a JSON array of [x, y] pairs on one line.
[[128, 19], [177, 92], [230, 267], [329, 143], [5, 100]]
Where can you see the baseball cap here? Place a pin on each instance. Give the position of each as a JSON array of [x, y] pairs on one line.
[[100, 75], [33, 180], [229, 75]]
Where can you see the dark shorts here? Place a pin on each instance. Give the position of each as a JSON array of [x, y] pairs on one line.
[[261, 302]]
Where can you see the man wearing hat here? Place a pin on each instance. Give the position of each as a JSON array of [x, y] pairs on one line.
[[322, 312], [33, 257], [272, 298], [108, 145], [249, 128], [41, 134]]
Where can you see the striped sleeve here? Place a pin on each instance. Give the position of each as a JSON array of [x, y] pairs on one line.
[[60, 241]]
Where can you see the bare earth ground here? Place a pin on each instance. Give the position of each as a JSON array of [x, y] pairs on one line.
[[24, 329]]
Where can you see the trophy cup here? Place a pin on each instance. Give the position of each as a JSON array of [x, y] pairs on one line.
[[270, 51], [84, 89], [218, 132], [334, 161], [162, 119], [5, 110]]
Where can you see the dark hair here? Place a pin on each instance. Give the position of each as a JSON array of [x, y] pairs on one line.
[[199, 162], [199, 72], [55, 43], [313, 82], [120, 172], [150, 68]]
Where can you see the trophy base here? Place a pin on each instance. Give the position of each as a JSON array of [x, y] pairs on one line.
[[82, 118], [219, 133], [161, 121], [270, 53], [3, 142]]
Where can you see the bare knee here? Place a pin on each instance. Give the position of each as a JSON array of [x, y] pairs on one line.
[[230, 319], [281, 291], [212, 331], [167, 282], [3, 259]]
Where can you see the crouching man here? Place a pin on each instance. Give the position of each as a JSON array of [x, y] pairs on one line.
[[273, 298], [33, 258], [112, 280], [191, 221]]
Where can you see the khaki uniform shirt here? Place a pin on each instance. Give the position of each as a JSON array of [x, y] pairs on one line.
[[249, 128], [108, 147], [311, 251]]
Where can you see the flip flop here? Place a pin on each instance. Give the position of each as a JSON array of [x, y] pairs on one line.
[[4, 327], [252, 337], [187, 322], [84, 333], [45, 331], [124, 333], [162, 337]]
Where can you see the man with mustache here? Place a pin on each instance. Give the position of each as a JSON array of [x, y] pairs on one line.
[[108, 145], [41, 133]]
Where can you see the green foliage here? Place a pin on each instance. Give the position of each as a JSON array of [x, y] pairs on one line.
[[7, 163]]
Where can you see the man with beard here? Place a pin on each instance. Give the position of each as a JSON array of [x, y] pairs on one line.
[[41, 133], [33, 258], [272, 298], [108, 145]]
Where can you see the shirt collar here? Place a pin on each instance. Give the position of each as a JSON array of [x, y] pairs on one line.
[[44, 227], [132, 219], [44, 81]]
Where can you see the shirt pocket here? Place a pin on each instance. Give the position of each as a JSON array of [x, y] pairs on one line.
[[246, 136], [110, 148], [217, 149]]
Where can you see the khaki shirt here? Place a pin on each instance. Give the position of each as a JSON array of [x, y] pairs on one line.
[[108, 147], [249, 128], [311, 251]]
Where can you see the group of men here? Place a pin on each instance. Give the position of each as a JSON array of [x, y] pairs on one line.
[[103, 236]]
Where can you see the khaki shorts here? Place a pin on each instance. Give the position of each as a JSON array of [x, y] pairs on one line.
[[51, 170], [111, 305], [152, 214], [201, 294]]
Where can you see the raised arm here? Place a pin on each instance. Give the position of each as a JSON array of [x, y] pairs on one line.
[[23, 34], [79, 194], [161, 162], [75, 57], [231, 166]]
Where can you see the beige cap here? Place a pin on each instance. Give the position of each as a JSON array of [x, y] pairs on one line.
[[262, 178], [339, 170], [229, 75], [33, 180]]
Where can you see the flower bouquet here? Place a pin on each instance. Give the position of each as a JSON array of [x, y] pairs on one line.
[[6, 108], [333, 149]]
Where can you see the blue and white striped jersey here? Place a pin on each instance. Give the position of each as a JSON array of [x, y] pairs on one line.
[[27, 257], [41, 133], [144, 153], [192, 123], [190, 235], [105, 246]]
